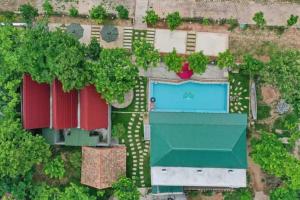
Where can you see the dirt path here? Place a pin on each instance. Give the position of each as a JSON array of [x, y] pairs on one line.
[[256, 176]]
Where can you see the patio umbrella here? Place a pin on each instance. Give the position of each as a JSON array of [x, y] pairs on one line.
[[109, 33], [76, 30]]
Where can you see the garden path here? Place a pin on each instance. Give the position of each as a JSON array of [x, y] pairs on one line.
[[138, 148], [275, 13], [141, 7]]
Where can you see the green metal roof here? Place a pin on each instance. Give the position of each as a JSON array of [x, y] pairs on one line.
[[198, 140]]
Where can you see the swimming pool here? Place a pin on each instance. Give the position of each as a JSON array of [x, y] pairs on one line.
[[189, 96]]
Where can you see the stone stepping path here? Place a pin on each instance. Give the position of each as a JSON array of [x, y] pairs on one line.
[[138, 149]]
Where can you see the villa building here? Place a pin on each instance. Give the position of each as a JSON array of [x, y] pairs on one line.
[[195, 141], [74, 118]]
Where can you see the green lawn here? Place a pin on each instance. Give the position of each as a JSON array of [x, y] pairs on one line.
[[239, 93], [139, 34], [138, 167]]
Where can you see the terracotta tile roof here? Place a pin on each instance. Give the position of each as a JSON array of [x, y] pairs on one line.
[[101, 167]]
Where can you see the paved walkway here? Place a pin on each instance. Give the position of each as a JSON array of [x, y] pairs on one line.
[[141, 7], [275, 13], [212, 73]]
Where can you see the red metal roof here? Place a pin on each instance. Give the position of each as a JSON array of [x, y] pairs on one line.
[[93, 109], [64, 107], [36, 104]]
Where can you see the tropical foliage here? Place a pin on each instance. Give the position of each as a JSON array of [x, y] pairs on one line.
[[55, 168], [151, 17], [251, 65], [93, 49], [48, 8], [98, 13], [259, 19], [114, 75], [225, 59], [20, 150], [283, 193], [173, 61], [73, 12], [272, 156], [283, 71], [125, 189], [145, 54], [173, 20], [198, 62], [122, 12], [28, 13], [292, 20]]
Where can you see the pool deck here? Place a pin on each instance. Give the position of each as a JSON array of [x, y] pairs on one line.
[[212, 74]]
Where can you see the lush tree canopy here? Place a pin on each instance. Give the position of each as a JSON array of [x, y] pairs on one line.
[[225, 59], [20, 150], [173, 61], [145, 53], [198, 62], [251, 65], [54, 54], [151, 17], [114, 75], [173, 20], [125, 189], [283, 193], [55, 168], [283, 71], [272, 156]]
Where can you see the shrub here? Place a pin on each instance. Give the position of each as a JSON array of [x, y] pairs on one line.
[[145, 53], [73, 12], [274, 158], [7, 16], [93, 49], [28, 13], [283, 193], [233, 23], [125, 189], [225, 59], [122, 12], [151, 17], [263, 111], [292, 20], [118, 130], [198, 62], [259, 19], [48, 8], [239, 194], [55, 168], [98, 13], [252, 65], [173, 20], [173, 61]]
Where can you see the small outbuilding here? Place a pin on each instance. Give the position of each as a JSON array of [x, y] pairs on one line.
[[101, 167], [64, 107], [35, 104]]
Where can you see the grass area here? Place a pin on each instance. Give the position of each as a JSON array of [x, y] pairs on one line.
[[134, 137], [289, 118], [263, 111], [239, 93], [139, 34], [130, 108]]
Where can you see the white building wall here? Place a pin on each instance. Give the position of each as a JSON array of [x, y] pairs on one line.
[[199, 177]]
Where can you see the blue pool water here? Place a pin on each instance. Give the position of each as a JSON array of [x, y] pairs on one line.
[[189, 97]]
